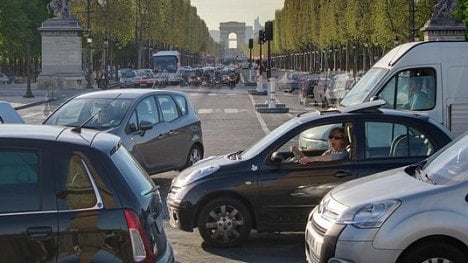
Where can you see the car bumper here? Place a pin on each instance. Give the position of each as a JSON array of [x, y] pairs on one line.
[[181, 215], [331, 246], [167, 256]]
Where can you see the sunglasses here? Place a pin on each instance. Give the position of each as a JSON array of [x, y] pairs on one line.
[[335, 137]]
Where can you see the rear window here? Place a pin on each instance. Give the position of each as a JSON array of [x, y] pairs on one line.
[[135, 176]]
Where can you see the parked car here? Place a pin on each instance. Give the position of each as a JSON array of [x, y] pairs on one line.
[[306, 92], [290, 81], [411, 214], [338, 88], [144, 78], [266, 189], [127, 79], [4, 78], [8, 114], [160, 128], [75, 195], [320, 89]]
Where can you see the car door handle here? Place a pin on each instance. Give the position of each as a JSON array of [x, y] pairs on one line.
[[171, 132], [39, 233], [341, 174]]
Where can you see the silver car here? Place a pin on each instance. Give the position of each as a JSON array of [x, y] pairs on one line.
[[159, 127], [412, 214]]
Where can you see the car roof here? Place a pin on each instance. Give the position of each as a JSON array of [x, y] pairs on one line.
[[367, 108], [85, 137], [8, 114], [126, 93]]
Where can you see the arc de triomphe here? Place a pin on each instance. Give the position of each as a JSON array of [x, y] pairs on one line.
[[225, 29]]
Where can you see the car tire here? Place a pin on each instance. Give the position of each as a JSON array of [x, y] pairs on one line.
[[434, 251], [224, 222], [195, 154]]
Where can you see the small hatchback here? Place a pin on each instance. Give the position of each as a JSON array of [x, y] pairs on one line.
[[413, 214], [266, 188], [76, 195], [159, 127]]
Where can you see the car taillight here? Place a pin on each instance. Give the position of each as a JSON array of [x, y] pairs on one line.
[[141, 247]]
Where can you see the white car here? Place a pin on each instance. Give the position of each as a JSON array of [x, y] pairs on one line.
[[417, 213], [8, 114], [3, 78]]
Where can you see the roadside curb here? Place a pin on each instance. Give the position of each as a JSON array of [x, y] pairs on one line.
[[32, 104]]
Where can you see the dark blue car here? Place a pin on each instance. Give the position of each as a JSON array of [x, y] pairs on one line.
[[265, 188]]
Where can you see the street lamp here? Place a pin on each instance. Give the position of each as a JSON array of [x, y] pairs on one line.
[[106, 53], [89, 67], [28, 93]]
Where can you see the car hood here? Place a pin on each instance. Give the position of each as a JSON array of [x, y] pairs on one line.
[[392, 184], [220, 161]]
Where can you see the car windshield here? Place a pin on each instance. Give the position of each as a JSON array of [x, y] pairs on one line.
[[94, 113], [449, 165], [366, 84], [259, 146]]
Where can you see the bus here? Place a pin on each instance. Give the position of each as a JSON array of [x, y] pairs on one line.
[[166, 61]]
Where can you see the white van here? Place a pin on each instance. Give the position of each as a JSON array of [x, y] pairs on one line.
[[440, 66]]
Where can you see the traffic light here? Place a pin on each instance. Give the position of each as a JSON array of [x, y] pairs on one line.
[[261, 37], [268, 30], [250, 43]]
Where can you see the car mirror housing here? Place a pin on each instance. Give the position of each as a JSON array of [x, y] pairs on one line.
[[277, 158]]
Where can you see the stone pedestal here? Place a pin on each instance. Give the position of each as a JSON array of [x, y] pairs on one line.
[[62, 62]]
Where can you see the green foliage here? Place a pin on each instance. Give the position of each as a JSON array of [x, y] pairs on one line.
[[326, 24]]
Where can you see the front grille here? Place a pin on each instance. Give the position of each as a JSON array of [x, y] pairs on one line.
[[318, 228], [173, 191]]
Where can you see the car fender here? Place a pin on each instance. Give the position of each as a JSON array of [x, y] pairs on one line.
[[420, 225]]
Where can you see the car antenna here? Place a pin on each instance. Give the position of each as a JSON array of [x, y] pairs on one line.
[[78, 128]]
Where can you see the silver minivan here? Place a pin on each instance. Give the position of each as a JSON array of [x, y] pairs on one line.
[[417, 213]]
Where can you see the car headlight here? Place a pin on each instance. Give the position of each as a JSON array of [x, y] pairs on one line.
[[199, 174], [371, 215]]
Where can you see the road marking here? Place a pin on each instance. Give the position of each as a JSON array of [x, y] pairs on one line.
[[229, 110], [32, 115], [259, 117]]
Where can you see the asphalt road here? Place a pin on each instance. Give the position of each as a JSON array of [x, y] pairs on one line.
[[230, 123]]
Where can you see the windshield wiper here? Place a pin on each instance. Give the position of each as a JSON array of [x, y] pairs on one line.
[[236, 155], [152, 190], [429, 179], [78, 128]]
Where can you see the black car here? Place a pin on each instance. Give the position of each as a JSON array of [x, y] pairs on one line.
[[76, 195], [266, 189]]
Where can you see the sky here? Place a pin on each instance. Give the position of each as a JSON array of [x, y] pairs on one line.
[[214, 12]]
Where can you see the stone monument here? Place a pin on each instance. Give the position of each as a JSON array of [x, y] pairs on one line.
[[62, 63], [442, 26]]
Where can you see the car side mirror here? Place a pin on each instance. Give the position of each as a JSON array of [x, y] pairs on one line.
[[144, 126], [277, 158]]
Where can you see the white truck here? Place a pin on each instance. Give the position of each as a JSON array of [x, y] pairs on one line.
[[440, 66]]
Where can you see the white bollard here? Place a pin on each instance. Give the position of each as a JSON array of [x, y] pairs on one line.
[[271, 93]]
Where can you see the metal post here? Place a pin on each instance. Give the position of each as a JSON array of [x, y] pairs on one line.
[[89, 69], [411, 20], [28, 93]]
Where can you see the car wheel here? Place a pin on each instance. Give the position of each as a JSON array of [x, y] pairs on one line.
[[195, 155], [224, 222], [434, 252]]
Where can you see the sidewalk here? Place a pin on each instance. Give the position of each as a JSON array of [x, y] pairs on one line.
[[15, 94]]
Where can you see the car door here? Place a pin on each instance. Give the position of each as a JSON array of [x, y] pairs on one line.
[[387, 143], [28, 217], [287, 191], [89, 231], [177, 135], [145, 145]]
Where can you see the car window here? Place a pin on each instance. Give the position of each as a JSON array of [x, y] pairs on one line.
[[385, 140], [146, 110], [182, 103], [19, 181], [398, 94], [74, 183], [313, 141], [168, 108]]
